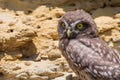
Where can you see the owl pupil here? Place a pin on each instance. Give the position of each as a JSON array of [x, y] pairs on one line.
[[79, 26]]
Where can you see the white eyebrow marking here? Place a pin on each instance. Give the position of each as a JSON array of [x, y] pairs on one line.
[[74, 23], [65, 23]]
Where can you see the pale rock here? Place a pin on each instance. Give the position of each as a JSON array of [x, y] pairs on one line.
[[36, 77], [54, 54], [23, 76], [105, 23], [13, 33]]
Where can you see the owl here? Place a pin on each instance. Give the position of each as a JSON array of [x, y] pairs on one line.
[[86, 53]]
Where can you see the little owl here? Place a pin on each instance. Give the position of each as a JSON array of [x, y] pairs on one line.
[[86, 53]]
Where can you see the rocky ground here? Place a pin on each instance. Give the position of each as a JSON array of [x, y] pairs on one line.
[[29, 41]]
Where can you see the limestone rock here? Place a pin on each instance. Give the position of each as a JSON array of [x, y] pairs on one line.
[[105, 23], [25, 56], [13, 33], [117, 16], [54, 54], [37, 70]]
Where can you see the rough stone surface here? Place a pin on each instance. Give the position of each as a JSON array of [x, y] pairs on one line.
[[29, 41], [13, 33]]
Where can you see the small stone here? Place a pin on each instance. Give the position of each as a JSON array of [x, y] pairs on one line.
[[116, 38], [36, 77], [17, 68], [9, 58], [117, 16], [27, 63], [111, 44], [54, 54], [22, 76], [44, 56], [38, 57], [11, 24], [107, 39]]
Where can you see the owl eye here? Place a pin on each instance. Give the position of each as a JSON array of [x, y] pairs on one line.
[[63, 25], [79, 26]]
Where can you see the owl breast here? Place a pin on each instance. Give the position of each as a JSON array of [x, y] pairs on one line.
[[76, 60], [72, 60]]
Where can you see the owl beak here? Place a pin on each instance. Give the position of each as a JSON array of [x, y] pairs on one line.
[[68, 33]]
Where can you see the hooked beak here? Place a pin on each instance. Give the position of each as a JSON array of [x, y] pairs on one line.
[[69, 33]]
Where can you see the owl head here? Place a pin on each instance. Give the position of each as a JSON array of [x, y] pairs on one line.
[[76, 24]]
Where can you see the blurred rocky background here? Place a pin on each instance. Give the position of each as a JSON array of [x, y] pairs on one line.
[[29, 41]]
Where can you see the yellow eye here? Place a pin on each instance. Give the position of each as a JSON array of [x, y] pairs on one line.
[[63, 25], [79, 26]]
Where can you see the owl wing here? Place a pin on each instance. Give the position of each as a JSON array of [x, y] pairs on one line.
[[95, 56]]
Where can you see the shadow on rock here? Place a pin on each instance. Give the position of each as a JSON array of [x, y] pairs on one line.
[[25, 51]]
